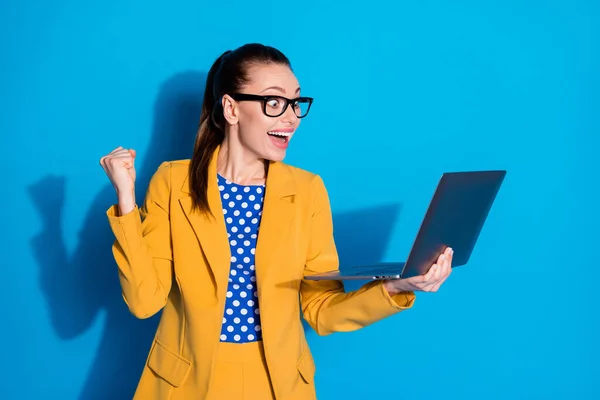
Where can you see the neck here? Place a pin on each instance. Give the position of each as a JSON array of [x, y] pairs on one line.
[[239, 165]]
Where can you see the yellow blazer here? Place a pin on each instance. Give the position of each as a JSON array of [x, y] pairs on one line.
[[173, 259]]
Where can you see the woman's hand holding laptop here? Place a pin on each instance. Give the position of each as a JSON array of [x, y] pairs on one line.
[[430, 282]]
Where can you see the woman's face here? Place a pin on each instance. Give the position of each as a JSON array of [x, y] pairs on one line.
[[266, 136]]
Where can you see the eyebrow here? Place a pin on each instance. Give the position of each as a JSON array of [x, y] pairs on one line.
[[282, 90]]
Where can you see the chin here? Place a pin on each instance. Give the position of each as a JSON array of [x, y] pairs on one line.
[[274, 155]]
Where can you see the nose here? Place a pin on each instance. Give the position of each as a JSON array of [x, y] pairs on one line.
[[289, 116]]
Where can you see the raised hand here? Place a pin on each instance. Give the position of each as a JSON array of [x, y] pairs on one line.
[[120, 169]]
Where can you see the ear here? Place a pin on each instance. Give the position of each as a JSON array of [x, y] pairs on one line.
[[230, 109]]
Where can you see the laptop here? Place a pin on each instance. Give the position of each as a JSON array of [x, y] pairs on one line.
[[454, 218]]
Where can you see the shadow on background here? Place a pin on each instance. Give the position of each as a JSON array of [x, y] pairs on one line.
[[78, 287], [361, 237]]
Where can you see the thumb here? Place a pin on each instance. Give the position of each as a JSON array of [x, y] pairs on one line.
[[132, 152]]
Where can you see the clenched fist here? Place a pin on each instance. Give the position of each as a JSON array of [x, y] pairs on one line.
[[120, 169]]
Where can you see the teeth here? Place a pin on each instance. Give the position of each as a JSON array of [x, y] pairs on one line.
[[286, 134]]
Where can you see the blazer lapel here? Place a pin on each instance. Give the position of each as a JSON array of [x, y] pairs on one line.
[[277, 217], [210, 230]]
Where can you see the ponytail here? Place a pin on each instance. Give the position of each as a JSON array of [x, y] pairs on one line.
[[210, 135], [228, 74]]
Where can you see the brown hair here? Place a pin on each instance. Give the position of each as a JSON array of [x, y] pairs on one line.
[[228, 74]]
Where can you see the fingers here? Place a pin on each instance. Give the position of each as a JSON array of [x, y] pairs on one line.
[[439, 269], [113, 161], [434, 273], [435, 278], [429, 276], [424, 283], [121, 155], [448, 262], [441, 257], [445, 271], [437, 285], [437, 274]]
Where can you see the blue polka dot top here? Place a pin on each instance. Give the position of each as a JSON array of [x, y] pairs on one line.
[[242, 210]]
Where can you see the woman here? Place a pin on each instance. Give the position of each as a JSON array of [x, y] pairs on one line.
[[223, 240]]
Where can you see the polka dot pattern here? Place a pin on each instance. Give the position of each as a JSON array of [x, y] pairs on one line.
[[242, 210]]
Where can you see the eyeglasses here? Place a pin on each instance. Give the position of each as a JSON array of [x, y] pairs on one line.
[[274, 106]]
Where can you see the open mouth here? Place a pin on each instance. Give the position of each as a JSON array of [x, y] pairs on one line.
[[280, 139]]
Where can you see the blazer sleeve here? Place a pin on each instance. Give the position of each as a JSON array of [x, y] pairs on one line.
[[325, 305], [142, 248]]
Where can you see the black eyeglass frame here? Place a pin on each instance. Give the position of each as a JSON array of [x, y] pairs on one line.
[[264, 99]]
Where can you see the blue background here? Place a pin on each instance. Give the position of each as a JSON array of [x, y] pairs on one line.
[[404, 91]]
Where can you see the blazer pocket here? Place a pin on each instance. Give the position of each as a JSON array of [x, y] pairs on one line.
[[168, 365], [306, 366]]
